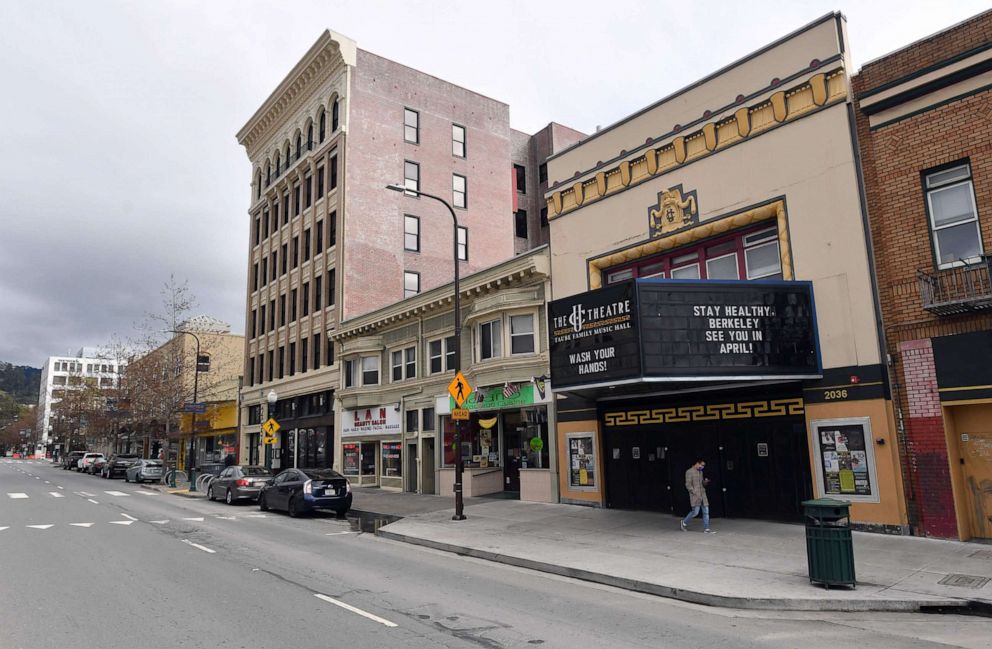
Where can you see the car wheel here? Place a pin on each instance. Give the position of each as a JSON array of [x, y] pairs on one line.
[[291, 508], [210, 492], [229, 497], [127, 477], [264, 506], [340, 512]]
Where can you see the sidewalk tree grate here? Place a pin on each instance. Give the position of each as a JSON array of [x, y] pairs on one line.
[[964, 581], [981, 554]]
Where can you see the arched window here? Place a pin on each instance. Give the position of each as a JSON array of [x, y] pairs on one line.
[[268, 175], [334, 116], [278, 168], [299, 146], [310, 137], [258, 185], [323, 125], [288, 159]]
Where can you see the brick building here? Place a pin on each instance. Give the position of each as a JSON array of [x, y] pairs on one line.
[[328, 243], [922, 116]]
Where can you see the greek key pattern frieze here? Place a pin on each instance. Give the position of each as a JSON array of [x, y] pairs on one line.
[[709, 412]]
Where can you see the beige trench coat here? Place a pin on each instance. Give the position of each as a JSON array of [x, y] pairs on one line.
[[697, 490]]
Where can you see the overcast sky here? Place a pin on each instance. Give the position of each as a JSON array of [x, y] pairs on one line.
[[118, 161]]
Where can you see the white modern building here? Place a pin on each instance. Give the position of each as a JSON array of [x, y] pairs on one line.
[[60, 373]]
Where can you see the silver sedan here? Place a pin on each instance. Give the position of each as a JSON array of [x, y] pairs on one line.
[[144, 471]]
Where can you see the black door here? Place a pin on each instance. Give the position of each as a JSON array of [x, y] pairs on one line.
[[511, 460], [617, 467]]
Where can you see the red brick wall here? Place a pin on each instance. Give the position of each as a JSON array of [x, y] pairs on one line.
[[893, 158]]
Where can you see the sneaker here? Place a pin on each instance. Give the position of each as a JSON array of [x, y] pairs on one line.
[[709, 531], [682, 523]]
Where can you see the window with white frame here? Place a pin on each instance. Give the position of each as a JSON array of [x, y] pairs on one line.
[[458, 140], [490, 339], [411, 177], [411, 125], [522, 333], [462, 243], [953, 216], [761, 255], [459, 190], [411, 233], [411, 284], [350, 373], [370, 370], [403, 363], [441, 355]]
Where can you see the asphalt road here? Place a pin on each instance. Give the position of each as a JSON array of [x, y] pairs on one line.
[[86, 562]]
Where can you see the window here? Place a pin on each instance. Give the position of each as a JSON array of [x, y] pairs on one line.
[[329, 357], [397, 364], [306, 298], [410, 359], [265, 271], [411, 126], [953, 216], [334, 116], [522, 334], [370, 370], [520, 223], [251, 381], [306, 245], [299, 146], [334, 172], [316, 351], [490, 340], [463, 243], [542, 173], [261, 318], [723, 267], [318, 292], [296, 251], [282, 310], [272, 315], [544, 217], [333, 236], [428, 419], [308, 193], [411, 177], [285, 208], [268, 175], [258, 231], [273, 266], [349, 374], [459, 191], [278, 167], [310, 137], [411, 233], [292, 359], [265, 223], [275, 215], [285, 258], [254, 323], [404, 363], [304, 354], [411, 284], [322, 125], [761, 255], [296, 199], [331, 289], [258, 186], [282, 362], [292, 306], [520, 178], [254, 277], [270, 363], [320, 182], [412, 421], [458, 140]]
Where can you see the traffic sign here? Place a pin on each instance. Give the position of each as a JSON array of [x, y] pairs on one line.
[[460, 414], [198, 408], [271, 427], [269, 439], [459, 389]]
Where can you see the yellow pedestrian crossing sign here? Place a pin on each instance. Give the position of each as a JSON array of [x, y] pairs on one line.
[[271, 427], [459, 389]]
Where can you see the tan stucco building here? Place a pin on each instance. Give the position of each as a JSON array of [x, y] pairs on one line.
[[719, 237]]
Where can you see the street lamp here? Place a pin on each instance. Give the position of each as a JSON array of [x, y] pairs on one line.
[[271, 398], [459, 502], [191, 459]]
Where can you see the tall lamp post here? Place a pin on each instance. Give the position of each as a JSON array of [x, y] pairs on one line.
[[459, 465], [191, 458], [271, 398]]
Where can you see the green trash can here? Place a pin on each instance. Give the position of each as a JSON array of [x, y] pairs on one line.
[[829, 546]]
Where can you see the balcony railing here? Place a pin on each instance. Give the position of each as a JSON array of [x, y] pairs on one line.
[[956, 290]]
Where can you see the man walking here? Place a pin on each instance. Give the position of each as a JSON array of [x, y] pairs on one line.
[[695, 484]]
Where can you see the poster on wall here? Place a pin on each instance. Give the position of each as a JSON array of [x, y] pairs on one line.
[[351, 454], [581, 461], [845, 459]]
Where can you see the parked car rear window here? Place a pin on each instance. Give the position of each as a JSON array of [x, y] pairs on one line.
[[153, 463], [255, 471], [322, 474]]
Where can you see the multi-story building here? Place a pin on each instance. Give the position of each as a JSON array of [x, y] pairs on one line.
[[329, 243], [690, 242], [61, 373], [923, 124]]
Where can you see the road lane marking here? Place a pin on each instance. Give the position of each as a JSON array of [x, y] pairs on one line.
[[37, 477], [56, 494], [93, 501], [199, 547], [147, 493], [194, 519], [339, 533], [226, 518], [120, 522], [115, 493], [349, 607], [60, 486], [4, 528], [82, 524], [129, 517], [39, 527], [84, 494], [255, 515], [16, 496], [48, 482], [159, 522]]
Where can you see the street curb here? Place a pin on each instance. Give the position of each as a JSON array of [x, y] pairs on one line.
[[165, 490], [695, 597]]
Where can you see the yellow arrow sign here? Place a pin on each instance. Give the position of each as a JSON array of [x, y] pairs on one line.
[[271, 426], [269, 439], [459, 388]]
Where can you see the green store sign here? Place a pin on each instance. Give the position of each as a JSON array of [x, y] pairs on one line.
[[494, 398]]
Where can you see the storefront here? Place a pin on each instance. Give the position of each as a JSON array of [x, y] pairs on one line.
[[306, 433], [504, 443], [371, 446]]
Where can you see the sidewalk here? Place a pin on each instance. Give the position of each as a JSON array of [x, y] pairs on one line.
[[747, 564]]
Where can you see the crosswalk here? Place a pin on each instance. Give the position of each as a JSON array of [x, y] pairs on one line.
[[20, 495]]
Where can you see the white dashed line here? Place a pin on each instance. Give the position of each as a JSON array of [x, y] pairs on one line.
[[81, 524], [159, 522], [338, 533], [349, 607], [56, 494], [147, 493], [120, 522], [17, 496], [115, 493], [48, 482], [199, 547], [254, 515], [226, 518], [60, 486], [4, 528], [39, 527], [129, 517], [93, 501], [194, 519]]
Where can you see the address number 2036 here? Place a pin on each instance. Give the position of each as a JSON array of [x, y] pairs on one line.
[[833, 395]]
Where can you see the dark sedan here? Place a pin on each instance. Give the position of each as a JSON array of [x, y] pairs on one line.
[[237, 482], [299, 491]]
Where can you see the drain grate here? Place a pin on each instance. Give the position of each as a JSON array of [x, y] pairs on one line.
[[981, 554], [964, 581]]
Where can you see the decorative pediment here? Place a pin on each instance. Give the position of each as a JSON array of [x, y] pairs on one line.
[[673, 212]]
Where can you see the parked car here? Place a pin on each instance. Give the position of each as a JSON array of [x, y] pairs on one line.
[[71, 460], [237, 482], [84, 462], [96, 466], [144, 471], [118, 465], [299, 491]]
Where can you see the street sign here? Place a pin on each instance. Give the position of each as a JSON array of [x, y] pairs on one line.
[[459, 389], [269, 439], [460, 414], [271, 427], [198, 408]]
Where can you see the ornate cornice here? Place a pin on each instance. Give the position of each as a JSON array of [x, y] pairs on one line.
[[819, 91]]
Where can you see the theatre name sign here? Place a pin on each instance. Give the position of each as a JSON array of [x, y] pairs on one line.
[[667, 330]]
